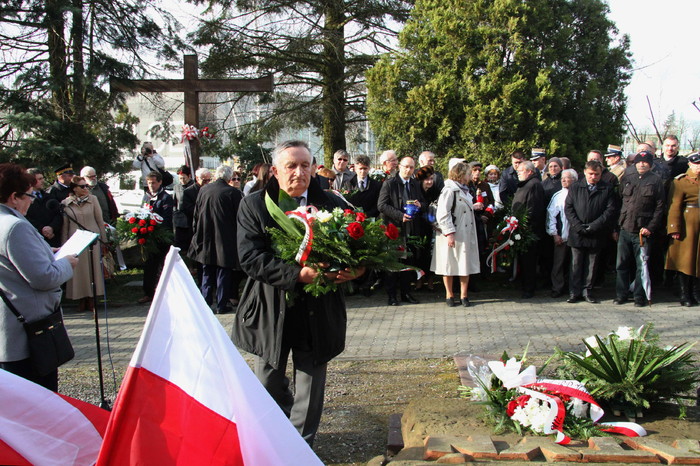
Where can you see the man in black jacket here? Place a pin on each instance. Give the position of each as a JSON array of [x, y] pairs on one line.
[[270, 325], [591, 209], [368, 189], [213, 227], [47, 222], [393, 197], [642, 215], [161, 203], [529, 198]]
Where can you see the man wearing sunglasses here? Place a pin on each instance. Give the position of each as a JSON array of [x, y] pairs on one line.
[[344, 178]]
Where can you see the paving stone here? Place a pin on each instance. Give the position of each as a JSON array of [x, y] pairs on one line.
[[453, 458], [476, 446], [524, 450], [437, 446], [557, 453], [394, 442], [608, 450], [687, 444], [670, 454]]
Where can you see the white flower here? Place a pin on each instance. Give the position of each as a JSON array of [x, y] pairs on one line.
[[323, 216], [578, 407], [624, 333], [517, 237]]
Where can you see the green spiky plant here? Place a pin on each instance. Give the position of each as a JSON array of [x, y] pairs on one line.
[[631, 374]]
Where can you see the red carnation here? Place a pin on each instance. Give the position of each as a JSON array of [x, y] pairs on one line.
[[151, 228], [142, 222], [507, 247], [348, 212], [135, 230], [153, 222], [355, 230], [143, 230], [392, 232], [142, 240], [132, 220], [360, 217]]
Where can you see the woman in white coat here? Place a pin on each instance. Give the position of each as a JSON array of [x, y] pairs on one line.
[[456, 252]]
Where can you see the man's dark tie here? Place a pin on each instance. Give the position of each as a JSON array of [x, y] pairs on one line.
[[362, 185], [408, 190], [299, 199], [591, 188]]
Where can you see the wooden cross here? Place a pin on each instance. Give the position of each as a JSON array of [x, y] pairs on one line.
[[192, 86]]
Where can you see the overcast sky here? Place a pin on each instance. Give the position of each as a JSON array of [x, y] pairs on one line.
[[665, 38]]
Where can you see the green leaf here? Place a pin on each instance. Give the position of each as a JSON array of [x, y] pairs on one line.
[[288, 225]]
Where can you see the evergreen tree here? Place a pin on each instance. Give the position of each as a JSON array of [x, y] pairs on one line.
[[318, 51], [53, 106], [480, 78]]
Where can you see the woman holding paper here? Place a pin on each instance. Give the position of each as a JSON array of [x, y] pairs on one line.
[[82, 212], [30, 277]]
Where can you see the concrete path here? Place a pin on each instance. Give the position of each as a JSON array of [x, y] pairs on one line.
[[498, 320]]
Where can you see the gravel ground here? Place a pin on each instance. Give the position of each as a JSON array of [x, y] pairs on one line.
[[360, 397]]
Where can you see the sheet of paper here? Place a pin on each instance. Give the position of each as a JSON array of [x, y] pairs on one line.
[[76, 244]]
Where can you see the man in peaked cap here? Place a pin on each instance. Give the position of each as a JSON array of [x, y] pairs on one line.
[[642, 215], [60, 189], [539, 158], [614, 161]]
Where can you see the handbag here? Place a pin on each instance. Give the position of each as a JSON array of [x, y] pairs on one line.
[[49, 345], [167, 177]]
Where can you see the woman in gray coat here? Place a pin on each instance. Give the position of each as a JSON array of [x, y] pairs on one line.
[[29, 275]]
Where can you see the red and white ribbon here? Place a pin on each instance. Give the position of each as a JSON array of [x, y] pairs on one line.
[[306, 217], [492, 259], [189, 132], [630, 429]]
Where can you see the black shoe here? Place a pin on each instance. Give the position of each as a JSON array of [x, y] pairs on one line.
[[409, 299], [527, 295], [619, 301], [574, 299], [465, 302], [590, 299], [640, 302], [393, 301], [450, 302], [556, 294], [686, 304]]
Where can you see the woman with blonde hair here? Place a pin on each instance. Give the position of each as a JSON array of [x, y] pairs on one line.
[[456, 252]]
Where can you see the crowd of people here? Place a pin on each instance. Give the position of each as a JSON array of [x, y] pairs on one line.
[[632, 215]]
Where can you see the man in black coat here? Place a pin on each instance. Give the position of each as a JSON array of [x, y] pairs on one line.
[[47, 222], [213, 228], [181, 223], [395, 193], [270, 325], [367, 193], [509, 179], [161, 203], [591, 209], [642, 215], [529, 199]]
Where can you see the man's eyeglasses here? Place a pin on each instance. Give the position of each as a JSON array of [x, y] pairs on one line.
[[84, 186], [91, 176], [342, 160], [235, 179], [33, 196]]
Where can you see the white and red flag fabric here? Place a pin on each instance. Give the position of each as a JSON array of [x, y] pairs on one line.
[[188, 397], [38, 426]]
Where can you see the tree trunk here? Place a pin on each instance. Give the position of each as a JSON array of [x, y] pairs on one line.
[[77, 34], [55, 25], [333, 98]]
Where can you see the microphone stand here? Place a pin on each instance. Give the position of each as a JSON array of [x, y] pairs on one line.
[[104, 404]]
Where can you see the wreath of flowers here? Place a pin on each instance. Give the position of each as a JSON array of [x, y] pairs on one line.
[[335, 239], [144, 228]]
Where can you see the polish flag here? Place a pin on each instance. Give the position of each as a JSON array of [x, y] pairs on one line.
[[38, 426], [188, 397]]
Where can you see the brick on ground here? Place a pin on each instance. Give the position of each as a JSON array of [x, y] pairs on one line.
[[670, 454]]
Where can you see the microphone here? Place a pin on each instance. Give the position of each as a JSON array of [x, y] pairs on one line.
[[54, 206]]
